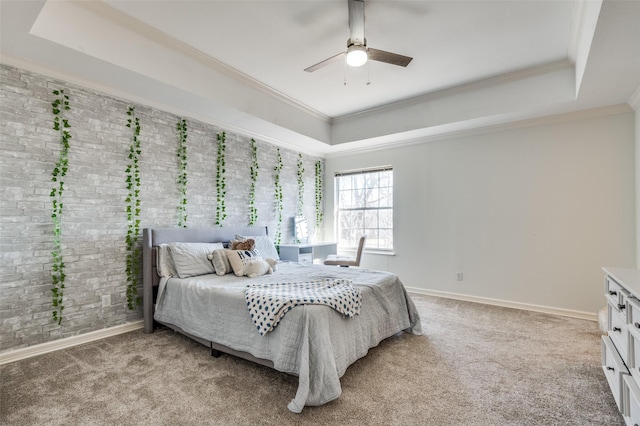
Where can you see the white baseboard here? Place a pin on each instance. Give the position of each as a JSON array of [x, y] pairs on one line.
[[591, 316], [67, 342], [43, 348]]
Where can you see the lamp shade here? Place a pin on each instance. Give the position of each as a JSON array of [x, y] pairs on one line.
[[356, 55]]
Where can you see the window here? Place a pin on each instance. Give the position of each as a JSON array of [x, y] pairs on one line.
[[364, 200]]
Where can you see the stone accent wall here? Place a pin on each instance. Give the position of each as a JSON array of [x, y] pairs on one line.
[[94, 223]]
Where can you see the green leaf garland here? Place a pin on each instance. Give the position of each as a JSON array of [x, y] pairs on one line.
[[132, 204], [61, 125], [253, 211], [221, 186], [300, 185], [278, 197], [182, 173], [319, 189]]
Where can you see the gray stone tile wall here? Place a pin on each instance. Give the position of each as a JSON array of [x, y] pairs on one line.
[[94, 223]]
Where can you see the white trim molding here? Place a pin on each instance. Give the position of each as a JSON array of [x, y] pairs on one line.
[[352, 148], [634, 100], [68, 342], [591, 316]]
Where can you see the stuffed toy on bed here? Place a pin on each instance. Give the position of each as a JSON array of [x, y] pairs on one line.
[[248, 244], [258, 267]]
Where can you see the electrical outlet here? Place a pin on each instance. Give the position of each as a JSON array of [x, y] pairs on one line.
[[106, 300], [459, 276]]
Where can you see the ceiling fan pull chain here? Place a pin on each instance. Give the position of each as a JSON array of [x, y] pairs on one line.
[[345, 73], [368, 73]]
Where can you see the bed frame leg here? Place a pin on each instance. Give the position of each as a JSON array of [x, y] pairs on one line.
[[215, 353]]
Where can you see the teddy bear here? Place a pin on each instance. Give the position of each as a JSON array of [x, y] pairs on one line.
[[258, 267], [248, 244]]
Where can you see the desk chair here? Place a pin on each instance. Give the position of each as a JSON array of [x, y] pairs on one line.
[[347, 261]]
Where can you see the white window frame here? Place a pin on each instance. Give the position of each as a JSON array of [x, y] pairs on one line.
[[380, 236]]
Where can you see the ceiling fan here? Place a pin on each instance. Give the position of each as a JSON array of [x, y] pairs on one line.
[[357, 52]]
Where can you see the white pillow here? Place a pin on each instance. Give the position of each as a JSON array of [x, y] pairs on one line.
[[240, 258], [191, 259], [164, 263], [220, 262], [264, 244]]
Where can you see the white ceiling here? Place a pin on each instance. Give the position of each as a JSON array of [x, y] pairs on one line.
[[239, 64]]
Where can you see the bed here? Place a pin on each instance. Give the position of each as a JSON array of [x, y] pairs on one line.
[[314, 342]]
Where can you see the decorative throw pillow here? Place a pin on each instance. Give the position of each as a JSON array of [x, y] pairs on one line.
[[220, 262], [264, 244], [191, 259], [239, 258]]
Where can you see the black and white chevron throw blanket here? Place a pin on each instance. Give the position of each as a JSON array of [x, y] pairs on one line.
[[268, 303]]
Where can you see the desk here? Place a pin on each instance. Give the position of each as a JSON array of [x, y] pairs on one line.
[[307, 253]]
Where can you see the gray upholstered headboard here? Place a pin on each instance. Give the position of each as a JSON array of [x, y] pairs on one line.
[[152, 237]]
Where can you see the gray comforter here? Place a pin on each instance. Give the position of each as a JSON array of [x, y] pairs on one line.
[[314, 342]]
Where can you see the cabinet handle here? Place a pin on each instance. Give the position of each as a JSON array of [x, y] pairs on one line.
[[621, 307], [611, 368], [613, 292], [636, 324], [617, 329]]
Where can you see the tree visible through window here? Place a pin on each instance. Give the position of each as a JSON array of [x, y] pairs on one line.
[[365, 207]]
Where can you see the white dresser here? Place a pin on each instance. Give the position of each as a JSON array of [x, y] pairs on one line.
[[621, 346]]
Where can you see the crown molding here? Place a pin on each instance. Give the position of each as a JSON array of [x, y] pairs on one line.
[[462, 88], [144, 30], [479, 129], [634, 100]]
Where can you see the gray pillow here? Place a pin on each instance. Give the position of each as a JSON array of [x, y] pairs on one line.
[[191, 259]]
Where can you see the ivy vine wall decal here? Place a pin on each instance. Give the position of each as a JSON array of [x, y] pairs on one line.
[[61, 125], [253, 211], [132, 204], [221, 185], [182, 172], [84, 207], [278, 197], [300, 186], [319, 189]]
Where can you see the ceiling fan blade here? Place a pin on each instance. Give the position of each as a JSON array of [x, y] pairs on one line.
[[356, 27], [388, 57], [328, 61], [356, 21]]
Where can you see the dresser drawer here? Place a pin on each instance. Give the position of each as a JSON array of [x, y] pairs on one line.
[[631, 393], [633, 314], [306, 258], [614, 369], [633, 326], [619, 332], [614, 293], [634, 353]]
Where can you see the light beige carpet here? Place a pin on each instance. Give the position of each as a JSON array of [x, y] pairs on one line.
[[475, 365]]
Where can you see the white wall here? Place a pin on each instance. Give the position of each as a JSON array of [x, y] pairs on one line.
[[529, 215], [638, 185]]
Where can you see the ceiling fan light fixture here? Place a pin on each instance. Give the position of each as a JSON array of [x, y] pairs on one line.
[[356, 55]]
